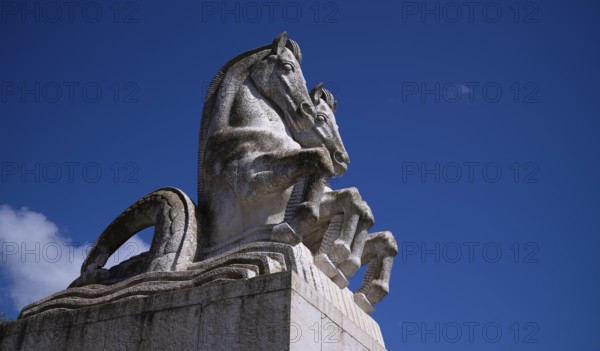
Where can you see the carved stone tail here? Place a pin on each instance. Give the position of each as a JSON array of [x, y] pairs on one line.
[[174, 243]]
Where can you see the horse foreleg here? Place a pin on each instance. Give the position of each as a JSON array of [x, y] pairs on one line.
[[378, 253], [353, 261], [346, 216], [277, 172], [309, 210], [357, 219]]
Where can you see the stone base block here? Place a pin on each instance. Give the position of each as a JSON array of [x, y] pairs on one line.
[[279, 311]]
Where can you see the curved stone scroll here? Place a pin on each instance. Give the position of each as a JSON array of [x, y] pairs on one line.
[[174, 244]]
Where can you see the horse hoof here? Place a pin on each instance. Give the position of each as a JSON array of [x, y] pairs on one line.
[[378, 289], [350, 266], [361, 300], [340, 251], [323, 262], [340, 280], [326, 266], [283, 233]]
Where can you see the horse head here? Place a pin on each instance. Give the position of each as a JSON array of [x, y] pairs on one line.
[[279, 78], [324, 131]]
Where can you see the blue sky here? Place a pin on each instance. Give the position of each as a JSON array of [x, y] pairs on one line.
[[472, 131]]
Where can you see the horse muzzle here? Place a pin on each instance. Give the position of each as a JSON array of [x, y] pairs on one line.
[[340, 159]]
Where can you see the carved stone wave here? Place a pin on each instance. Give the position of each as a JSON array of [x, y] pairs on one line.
[[246, 262]]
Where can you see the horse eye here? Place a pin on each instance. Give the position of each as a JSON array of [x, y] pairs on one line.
[[288, 67], [321, 119]]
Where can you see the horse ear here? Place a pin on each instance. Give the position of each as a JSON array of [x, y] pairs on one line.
[[279, 44], [316, 92]]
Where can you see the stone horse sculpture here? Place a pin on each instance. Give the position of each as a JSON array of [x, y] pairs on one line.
[[267, 148], [256, 119], [339, 237]]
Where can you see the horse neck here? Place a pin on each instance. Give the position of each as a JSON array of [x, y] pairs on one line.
[[218, 104], [254, 110], [235, 86]]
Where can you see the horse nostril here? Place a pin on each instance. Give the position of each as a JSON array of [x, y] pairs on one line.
[[341, 157], [307, 109]]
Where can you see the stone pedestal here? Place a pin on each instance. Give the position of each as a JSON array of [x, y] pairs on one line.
[[297, 309]]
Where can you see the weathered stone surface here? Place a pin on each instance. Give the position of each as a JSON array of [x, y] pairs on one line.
[[265, 208], [278, 311], [246, 261], [242, 263], [267, 149]]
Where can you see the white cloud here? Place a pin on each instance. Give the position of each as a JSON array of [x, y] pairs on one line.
[[38, 260]]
